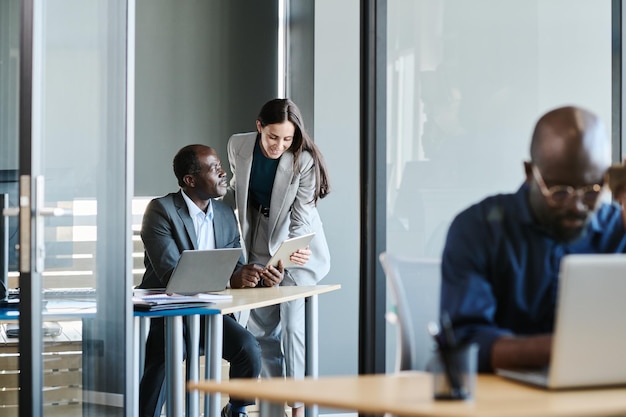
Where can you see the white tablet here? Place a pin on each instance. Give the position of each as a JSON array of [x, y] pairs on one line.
[[287, 247]]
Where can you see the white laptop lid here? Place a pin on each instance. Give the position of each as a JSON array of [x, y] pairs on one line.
[[203, 271], [589, 341]]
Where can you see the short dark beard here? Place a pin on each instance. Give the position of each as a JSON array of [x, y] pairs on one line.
[[568, 235]]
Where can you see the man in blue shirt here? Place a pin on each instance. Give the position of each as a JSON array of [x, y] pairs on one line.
[[501, 259]]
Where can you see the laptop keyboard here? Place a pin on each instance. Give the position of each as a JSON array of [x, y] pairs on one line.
[[60, 293], [69, 293], [532, 376]]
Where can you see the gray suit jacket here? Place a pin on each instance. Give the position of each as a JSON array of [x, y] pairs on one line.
[[292, 212], [167, 230]]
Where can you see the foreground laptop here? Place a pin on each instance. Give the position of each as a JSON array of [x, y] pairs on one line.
[[201, 271], [589, 342]]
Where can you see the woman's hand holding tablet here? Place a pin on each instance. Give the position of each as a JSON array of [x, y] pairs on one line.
[[287, 247]]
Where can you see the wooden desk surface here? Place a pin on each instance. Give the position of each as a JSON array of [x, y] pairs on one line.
[[410, 394], [247, 298]]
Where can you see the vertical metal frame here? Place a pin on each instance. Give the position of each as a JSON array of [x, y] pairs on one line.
[[616, 74], [30, 343], [132, 378], [372, 297]]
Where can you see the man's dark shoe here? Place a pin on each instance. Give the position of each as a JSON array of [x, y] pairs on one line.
[[226, 412]]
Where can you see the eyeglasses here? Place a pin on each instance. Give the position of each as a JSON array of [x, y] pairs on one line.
[[559, 195]]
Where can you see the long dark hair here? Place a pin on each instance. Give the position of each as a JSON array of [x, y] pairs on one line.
[[280, 110]]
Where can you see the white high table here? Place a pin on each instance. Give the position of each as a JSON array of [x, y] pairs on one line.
[[242, 299]]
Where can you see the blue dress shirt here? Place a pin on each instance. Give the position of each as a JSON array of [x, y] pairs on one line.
[[500, 268]]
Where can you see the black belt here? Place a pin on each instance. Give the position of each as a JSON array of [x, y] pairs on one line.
[[265, 211]]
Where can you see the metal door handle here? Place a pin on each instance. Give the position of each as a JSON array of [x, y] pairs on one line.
[[24, 212], [45, 211], [11, 211]]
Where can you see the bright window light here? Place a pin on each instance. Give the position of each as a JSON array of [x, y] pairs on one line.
[[282, 42]]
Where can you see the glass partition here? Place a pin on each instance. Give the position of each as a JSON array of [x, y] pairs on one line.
[[466, 81], [9, 80], [80, 148], [84, 160]]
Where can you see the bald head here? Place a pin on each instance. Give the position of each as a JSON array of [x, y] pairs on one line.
[[570, 137], [569, 148]]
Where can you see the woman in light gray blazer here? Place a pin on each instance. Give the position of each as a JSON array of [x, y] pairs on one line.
[[278, 176]]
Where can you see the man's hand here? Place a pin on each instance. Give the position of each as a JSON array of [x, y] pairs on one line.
[[272, 276], [246, 276], [301, 256], [521, 352]]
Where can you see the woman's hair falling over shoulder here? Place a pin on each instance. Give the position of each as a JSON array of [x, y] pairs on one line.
[[280, 110]]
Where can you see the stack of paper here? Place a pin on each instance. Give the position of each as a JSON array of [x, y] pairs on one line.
[[168, 301]]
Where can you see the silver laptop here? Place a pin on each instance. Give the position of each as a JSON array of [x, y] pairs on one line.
[[589, 341], [200, 271]]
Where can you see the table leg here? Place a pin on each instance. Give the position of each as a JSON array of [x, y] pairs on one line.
[[193, 364], [144, 327], [174, 366], [312, 345], [270, 409], [136, 366], [142, 324], [213, 361]]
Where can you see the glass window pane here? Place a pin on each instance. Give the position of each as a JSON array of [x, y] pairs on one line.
[[9, 101], [467, 79], [80, 94]]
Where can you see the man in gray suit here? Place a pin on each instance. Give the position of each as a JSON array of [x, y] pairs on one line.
[[192, 218]]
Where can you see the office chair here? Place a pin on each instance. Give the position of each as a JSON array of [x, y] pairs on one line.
[[415, 288]]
